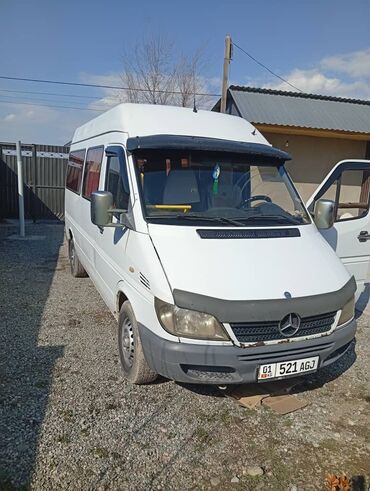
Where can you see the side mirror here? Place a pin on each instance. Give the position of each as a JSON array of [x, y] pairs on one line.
[[324, 213], [101, 210], [101, 202]]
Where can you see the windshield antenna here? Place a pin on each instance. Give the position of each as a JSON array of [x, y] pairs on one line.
[[195, 110], [194, 97]]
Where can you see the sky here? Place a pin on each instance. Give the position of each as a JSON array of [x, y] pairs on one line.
[[320, 46]]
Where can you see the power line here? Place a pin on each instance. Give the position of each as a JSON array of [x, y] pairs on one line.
[[101, 86], [50, 93], [265, 67], [53, 106], [40, 99]]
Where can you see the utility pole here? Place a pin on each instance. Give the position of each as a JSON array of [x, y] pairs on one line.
[[225, 77]]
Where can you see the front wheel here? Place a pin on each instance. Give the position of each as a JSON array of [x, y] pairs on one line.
[[134, 365]]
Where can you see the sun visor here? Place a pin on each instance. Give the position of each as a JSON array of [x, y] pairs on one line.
[[175, 142]]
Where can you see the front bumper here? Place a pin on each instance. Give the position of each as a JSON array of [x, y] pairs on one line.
[[215, 364]]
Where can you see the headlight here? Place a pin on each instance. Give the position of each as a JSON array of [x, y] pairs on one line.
[[189, 323], [348, 312]]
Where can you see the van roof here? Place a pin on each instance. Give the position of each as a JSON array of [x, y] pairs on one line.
[[148, 119]]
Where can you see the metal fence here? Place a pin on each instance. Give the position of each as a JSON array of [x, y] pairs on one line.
[[44, 168]]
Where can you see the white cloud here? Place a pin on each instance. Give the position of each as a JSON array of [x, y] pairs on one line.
[[110, 97], [215, 83], [9, 117], [344, 75], [355, 64], [315, 81], [40, 124]]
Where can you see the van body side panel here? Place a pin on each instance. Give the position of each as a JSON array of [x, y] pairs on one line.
[[143, 306], [117, 259], [145, 275], [86, 235]]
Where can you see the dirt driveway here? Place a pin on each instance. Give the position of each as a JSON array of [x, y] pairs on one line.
[[68, 420]]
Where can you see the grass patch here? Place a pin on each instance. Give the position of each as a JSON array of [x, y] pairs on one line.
[[101, 452], [331, 444], [202, 435], [67, 415], [63, 439]]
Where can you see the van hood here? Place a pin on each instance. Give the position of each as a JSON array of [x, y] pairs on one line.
[[248, 268]]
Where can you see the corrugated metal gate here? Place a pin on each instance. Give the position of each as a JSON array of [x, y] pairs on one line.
[[44, 168]]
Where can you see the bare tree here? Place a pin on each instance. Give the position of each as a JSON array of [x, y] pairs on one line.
[[189, 83], [152, 66]]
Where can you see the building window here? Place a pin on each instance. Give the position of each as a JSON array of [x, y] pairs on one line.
[[92, 171], [114, 184], [74, 170]]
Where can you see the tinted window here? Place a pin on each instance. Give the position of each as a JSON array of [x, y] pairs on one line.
[[74, 170], [226, 187], [114, 184], [92, 171]]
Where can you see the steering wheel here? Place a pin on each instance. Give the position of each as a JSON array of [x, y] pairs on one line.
[[257, 197]]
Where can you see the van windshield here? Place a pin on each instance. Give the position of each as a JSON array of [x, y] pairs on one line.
[[196, 187]]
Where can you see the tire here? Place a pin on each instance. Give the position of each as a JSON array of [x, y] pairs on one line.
[[133, 363], [77, 270]]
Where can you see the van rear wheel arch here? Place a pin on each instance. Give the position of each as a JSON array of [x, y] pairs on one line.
[[77, 269]]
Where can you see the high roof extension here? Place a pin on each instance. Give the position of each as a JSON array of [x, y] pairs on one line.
[[148, 120], [299, 110]]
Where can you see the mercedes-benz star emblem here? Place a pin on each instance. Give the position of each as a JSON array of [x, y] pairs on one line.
[[289, 325]]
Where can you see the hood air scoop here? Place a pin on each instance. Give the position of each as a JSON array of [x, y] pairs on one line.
[[268, 233]]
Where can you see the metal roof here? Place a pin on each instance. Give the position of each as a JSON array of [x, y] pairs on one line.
[[275, 107]]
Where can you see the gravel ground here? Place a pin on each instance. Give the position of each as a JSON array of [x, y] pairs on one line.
[[68, 420]]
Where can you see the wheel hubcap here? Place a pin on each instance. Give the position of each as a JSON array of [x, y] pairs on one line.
[[127, 337]]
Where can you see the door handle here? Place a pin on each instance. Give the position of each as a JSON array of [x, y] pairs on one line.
[[363, 236]]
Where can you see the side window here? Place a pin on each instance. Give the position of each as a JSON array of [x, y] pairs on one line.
[[353, 194], [117, 183], [331, 192], [74, 170], [350, 190], [92, 171]]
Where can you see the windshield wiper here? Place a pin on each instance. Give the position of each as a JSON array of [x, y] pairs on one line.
[[210, 219], [271, 218], [192, 216]]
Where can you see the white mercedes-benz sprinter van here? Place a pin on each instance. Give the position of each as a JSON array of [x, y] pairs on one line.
[[196, 238]]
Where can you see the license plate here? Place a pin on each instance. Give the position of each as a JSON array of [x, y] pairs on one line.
[[287, 368]]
